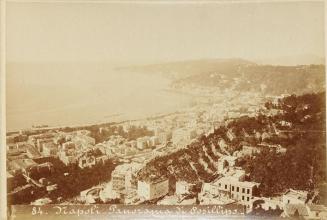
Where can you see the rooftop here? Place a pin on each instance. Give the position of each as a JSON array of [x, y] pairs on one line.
[[236, 173], [154, 181], [247, 184], [127, 166], [232, 180], [298, 194]]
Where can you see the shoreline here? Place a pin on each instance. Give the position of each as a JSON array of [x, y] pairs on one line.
[[101, 122]]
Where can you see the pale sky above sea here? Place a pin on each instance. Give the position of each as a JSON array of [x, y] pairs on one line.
[[55, 51]]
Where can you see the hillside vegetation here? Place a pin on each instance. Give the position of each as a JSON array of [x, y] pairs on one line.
[[301, 167], [240, 75]]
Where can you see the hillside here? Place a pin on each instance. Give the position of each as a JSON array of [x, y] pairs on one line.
[[240, 75], [301, 167], [272, 80]]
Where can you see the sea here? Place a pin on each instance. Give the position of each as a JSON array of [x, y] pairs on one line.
[[68, 94]]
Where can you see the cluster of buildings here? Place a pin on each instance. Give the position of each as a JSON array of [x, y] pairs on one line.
[[29, 154], [119, 147], [127, 189], [175, 130], [230, 186], [296, 203], [183, 135], [25, 148]]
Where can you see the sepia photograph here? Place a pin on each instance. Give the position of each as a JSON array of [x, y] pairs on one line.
[[163, 109]]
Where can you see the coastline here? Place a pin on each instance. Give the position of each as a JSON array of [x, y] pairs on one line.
[[101, 122]]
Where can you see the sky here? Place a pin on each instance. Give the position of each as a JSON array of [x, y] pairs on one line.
[[155, 32]]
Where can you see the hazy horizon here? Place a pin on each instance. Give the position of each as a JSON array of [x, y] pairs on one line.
[[93, 38], [66, 95], [268, 32], [278, 61]]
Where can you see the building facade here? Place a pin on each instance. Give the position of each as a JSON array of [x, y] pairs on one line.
[[152, 189]]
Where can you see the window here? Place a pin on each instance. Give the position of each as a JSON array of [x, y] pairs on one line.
[[232, 188], [225, 186], [248, 191], [243, 190], [219, 184], [243, 198], [237, 189], [247, 199]]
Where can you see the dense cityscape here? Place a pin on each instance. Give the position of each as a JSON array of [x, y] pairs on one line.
[[261, 149]]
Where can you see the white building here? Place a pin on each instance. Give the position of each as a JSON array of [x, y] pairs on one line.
[[163, 136], [295, 197], [249, 150], [50, 149], [152, 189], [183, 187], [86, 161], [123, 177], [41, 142], [230, 134], [83, 141], [108, 194], [153, 141], [236, 188], [67, 153], [183, 135], [142, 143], [211, 195], [271, 203]]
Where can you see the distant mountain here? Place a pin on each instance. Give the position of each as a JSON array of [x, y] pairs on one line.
[[181, 69], [305, 59], [240, 75], [272, 80]]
